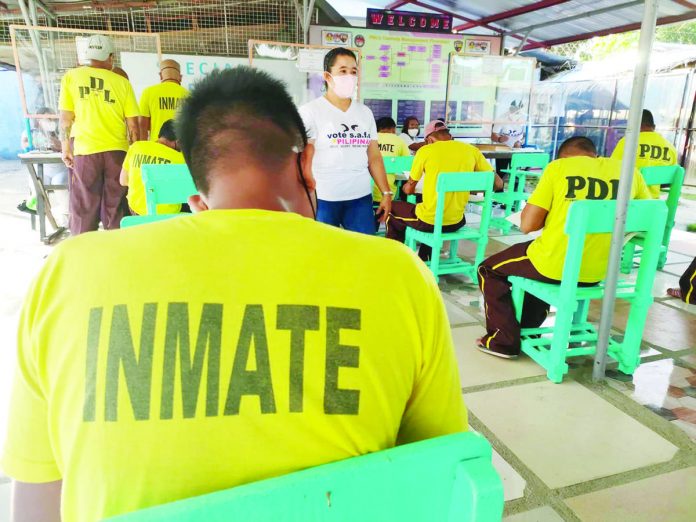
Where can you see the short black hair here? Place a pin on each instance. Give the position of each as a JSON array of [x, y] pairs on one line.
[[333, 54], [582, 143], [239, 110], [168, 131], [404, 129], [647, 119], [385, 123]]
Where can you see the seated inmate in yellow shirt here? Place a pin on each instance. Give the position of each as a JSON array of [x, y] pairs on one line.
[[101, 101], [445, 156], [563, 182], [209, 366], [147, 153]]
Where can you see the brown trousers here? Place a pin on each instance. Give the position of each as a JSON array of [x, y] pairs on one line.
[[95, 192], [403, 215], [687, 284]]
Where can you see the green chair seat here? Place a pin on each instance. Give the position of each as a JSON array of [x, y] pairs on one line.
[[448, 479], [129, 221], [572, 335], [448, 182], [673, 176], [166, 184]]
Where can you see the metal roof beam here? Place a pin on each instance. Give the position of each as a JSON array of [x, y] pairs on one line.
[[396, 5], [511, 13], [579, 16], [612, 30]]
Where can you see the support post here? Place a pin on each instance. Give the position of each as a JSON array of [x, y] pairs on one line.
[[647, 33]]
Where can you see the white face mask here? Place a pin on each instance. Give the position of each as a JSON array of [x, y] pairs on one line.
[[344, 85], [413, 132]]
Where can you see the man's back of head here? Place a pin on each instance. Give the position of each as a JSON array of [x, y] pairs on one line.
[[647, 122], [99, 52], [386, 124], [577, 146], [170, 70]]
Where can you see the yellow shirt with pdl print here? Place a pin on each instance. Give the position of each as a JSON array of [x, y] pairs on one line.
[[212, 366], [101, 101], [160, 103], [653, 151], [390, 145], [445, 156], [563, 182], [147, 153]]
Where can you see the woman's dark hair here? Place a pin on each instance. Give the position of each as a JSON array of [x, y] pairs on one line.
[[404, 129]]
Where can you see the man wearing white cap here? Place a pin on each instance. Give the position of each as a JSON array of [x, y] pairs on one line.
[[159, 103], [99, 110]]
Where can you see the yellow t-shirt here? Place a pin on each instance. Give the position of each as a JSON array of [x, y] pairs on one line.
[[160, 103], [211, 365], [575, 179], [653, 151], [445, 156], [390, 145], [147, 153], [101, 101]]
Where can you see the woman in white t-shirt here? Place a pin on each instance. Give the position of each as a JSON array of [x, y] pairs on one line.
[[346, 153], [409, 133]]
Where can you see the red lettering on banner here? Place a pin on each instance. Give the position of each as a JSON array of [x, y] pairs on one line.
[[376, 18], [434, 23], [412, 21], [423, 22], [446, 24], [401, 21], [390, 19]]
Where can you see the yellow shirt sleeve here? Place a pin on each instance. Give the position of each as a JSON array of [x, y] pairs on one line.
[[28, 455], [618, 150], [436, 406], [65, 102], [543, 193], [145, 103], [482, 164], [418, 164], [403, 148], [640, 190], [128, 159], [130, 108]]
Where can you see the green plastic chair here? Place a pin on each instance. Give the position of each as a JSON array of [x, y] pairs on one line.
[[511, 198], [398, 165], [130, 221], [456, 182], [447, 478], [166, 184], [572, 335], [673, 176]]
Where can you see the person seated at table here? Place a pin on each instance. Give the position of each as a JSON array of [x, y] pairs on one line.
[[653, 149], [202, 362], [161, 152], [577, 175], [441, 154], [687, 282], [390, 146], [409, 133]]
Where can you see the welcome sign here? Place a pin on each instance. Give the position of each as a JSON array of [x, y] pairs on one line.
[[409, 21]]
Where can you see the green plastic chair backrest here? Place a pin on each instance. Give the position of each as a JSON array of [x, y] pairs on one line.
[[447, 478], [130, 221], [398, 164], [167, 184], [672, 175], [464, 182], [597, 217], [527, 160]]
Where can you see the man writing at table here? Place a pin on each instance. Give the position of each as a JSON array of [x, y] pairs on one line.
[[577, 175], [440, 154]]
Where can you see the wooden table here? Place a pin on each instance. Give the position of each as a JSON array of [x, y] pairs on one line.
[[35, 161]]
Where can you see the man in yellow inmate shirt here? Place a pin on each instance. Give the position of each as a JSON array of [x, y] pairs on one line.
[[98, 108], [653, 149], [161, 152], [578, 175], [441, 154], [159, 103], [202, 362], [390, 146]]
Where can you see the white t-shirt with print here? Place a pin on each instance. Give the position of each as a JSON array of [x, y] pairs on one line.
[[341, 140]]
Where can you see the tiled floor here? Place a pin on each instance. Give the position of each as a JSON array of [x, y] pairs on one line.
[[620, 451]]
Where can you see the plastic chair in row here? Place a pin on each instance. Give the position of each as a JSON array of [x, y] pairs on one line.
[[447, 478], [674, 177], [447, 183], [572, 335], [396, 166], [130, 221], [166, 184]]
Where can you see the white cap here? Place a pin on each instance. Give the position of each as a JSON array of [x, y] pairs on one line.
[[99, 47]]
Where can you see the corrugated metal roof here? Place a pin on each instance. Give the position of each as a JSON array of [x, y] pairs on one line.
[[545, 22]]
